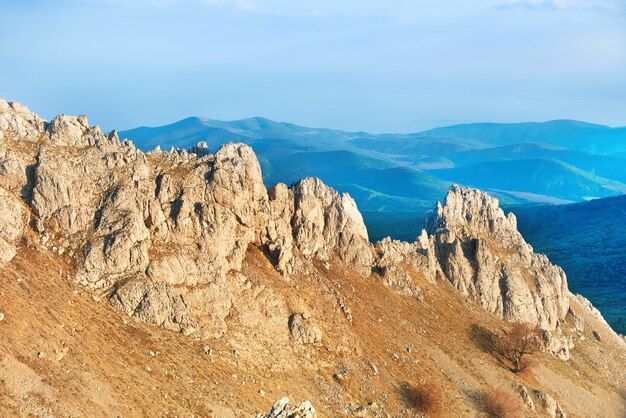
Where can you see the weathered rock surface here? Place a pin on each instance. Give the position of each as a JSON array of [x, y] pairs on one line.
[[12, 220], [550, 405], [283, 409], [138, 224], [303, 329], [484, 256], [154, 302], [16, 119], [525, 395], [195, 243], [557, 343], [170, 219], [394, 260]]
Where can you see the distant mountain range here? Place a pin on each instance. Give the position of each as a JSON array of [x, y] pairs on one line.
[[560, 161], [396, 179]]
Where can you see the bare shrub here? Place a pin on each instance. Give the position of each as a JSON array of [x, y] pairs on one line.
[[498, 403], [523, 339], [426, 398]]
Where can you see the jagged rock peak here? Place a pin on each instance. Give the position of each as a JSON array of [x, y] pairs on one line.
[[15, 118], [326, 221], [484, 256], [122, 213], [200, 149], [470, 213]]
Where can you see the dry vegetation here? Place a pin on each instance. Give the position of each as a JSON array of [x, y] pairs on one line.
[[498, 403], [426, 398], [100, 363]]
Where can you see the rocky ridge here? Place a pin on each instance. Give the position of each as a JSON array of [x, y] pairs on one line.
[[284, 280], [160, 232]]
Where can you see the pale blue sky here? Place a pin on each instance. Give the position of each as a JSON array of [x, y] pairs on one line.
[[396, 65]]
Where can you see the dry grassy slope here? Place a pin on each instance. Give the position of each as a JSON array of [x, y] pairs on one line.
[[96, 362]]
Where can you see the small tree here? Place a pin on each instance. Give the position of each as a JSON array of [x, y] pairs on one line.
[[521, 340]]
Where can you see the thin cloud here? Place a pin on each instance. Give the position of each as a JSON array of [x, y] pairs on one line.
[[610, 6]]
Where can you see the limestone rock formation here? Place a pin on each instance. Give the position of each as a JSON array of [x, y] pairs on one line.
[[303, 329], [154, 302], [16, 119], [394, 260], [137, 224], [12, 220], [314, 221], [484, 256], [325, 221], [525, 395], [284, 409], [200, 149], [549, 404], [557, 343]]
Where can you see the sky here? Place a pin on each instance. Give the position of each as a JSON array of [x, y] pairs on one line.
[[371, 65]]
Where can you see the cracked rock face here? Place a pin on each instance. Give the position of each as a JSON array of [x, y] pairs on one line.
[[394, 260], [17, 119], [12, 220], [484, 256], [325, 221], [303, 329], [154, 302], [140, 225]]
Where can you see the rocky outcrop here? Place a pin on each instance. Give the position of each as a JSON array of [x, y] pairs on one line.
[[314, 221], [525, 395], [154, 302], [325, 221], [283, 409], [303, 329], [16, 121], [311, 220], [137, 224], [12, 220], [549, 404], [395, 260], [557, 343], [91, 200], [484, 256]]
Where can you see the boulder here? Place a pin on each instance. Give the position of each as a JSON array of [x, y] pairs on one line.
[[284, 409], [303, 329]]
